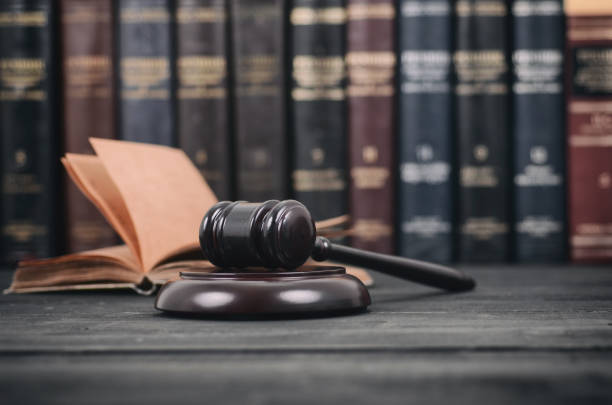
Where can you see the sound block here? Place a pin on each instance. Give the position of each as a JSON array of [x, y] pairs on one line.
[[306, 291]]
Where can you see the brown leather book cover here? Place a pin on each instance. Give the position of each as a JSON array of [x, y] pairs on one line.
[[589, 128], [370, 62], [87, 43]]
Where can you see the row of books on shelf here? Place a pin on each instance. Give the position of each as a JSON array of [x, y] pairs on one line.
[[450, 130]]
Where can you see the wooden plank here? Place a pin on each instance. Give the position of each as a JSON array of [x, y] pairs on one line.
[[457, 378], [514, 308]]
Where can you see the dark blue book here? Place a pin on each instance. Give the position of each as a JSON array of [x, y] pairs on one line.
[[425, 130], [146, 111], [28, 132], [482, 102], [538, 136], [318, 106], [202, 99]]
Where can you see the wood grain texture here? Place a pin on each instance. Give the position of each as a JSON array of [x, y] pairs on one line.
[[529, 334]]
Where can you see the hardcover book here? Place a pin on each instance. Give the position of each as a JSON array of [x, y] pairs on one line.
[[146, 111], [88, 91], [155, 208], [589, 128], [370, 60], [258, 36], [538, 130], [482, 125], [425, 191], [318, 107], [28, 129], [202, 93]]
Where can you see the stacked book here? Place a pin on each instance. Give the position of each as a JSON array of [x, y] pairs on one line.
[[468, 130]]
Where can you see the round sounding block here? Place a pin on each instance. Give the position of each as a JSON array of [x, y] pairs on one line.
[[305, 291]]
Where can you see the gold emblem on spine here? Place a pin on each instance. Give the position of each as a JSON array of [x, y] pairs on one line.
[[201, 157], [318, 156], [604, 180], [369, 154]]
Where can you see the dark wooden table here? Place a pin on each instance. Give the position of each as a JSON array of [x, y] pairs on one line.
[[526, 335]]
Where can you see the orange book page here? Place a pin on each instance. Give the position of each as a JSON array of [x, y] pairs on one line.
[[164, 193], [90, 176]]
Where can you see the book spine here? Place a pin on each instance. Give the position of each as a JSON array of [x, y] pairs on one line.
[[425, 194], [146, 111], [318, 106], [28, 129], [589, 129], [202, 94], [87, 46], [481, 89], [370, 62], [538, 133], [259, 99]]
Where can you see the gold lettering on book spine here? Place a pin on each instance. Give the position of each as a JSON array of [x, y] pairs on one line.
[[201, 77], [20, 19], [312, 16], [481, 8], [383, 11], [23, 231], [257, 75], [370, 74], [21, 78], [319, 180], [85, 15], [318, 78], [144, 15], [371, 229], [141, 76], [194, 15], [88, 76]]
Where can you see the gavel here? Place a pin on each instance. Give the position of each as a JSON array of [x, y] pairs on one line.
[[282, 234]]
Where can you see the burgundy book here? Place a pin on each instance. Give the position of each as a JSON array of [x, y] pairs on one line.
[[589, 128], [371, 66], [87, 43]]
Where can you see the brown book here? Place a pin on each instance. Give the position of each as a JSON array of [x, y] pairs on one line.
[[87, 43], [589, 128], [155, 198], [370, 61]]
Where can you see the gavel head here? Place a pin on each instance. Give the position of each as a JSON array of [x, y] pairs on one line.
[[270, 234]]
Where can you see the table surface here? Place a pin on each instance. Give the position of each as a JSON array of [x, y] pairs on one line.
[[528, 334]]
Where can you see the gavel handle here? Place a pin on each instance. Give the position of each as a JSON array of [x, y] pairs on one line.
[[430, 274]]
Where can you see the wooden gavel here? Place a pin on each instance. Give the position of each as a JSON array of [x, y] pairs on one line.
[[282, 234]]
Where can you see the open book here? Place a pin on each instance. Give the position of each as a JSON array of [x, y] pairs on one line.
[[154, 198]]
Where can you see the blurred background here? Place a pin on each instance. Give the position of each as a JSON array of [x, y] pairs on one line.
[[452, 131]]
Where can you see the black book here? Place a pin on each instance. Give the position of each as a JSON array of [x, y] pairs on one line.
[[425, 130], [259, 99], [202, 96], [318, 106], [539, 142], [146, 111], [28, 129], [482, 124]]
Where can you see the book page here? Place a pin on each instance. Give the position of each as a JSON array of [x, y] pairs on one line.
[[164, 193], [90, 176], [116, 263]]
